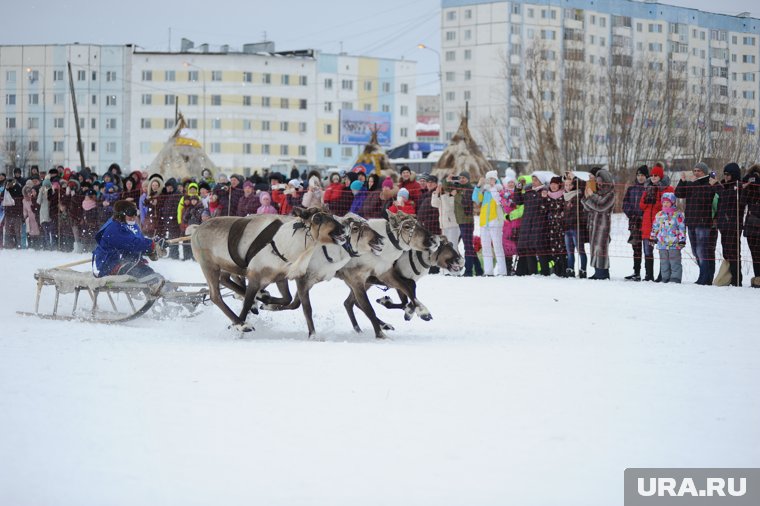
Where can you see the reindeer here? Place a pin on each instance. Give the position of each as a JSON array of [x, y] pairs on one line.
[[261, 249], [324, 264], [409, 269], [405, 233]]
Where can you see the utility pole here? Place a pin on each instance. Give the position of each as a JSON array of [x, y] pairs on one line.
[[76, 117]]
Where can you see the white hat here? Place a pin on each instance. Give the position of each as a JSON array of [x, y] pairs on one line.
[[295, 182], [492, 174], [509, 175]]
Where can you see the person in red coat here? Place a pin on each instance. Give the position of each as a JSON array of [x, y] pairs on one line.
[[407, 181], [402, 203], [651, 204]]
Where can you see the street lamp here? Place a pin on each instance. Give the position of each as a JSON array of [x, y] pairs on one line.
[[203, 73], [440, 93]]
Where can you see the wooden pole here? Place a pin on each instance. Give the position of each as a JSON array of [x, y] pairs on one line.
[[76, 117], [87, 260]]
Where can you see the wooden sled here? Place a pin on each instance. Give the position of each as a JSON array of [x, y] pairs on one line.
[[128, 298]]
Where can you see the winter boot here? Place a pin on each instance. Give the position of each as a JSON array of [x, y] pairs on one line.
[[582, 274], [468, 266], [736, 275], [569, 273], [476, 265], [510, 270], [636, 276], [649, 267], [601, 274]]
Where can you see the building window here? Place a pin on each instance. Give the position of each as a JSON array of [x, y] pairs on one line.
[[216, 100], [367, 107], [192, 123], [451, 55], [515, 10], [404, 89], [246, 100], [216, 147], [216, 75], [192, 76], [451, 35], [81, 75], [386, 108], [386, 87], [284, 126], [451, 15], [247, 148], [147, 99], [10, 99], [266, 78], [303, 80], [302, 104], [216, 124], [284, 103], [327, 152], [302, 127], [169, 99], [347, 84], [248, 78], [347, 152], [111, 123], [301, 150], [168, 123], [467, 94], [468, 54], [94, 100], [328, 84], [94, 75], [110, 147], [450, 76], [404, 110], [58, 75], [170, 75], [467, 75], [145, 123], [285, 79], [367, 85], [147, 75], [93, 123], [347, 106], [284, 151], [266, 102], [247, 124], [265, 149], [111, 76], [58, 146], [192, 100], [404, 132], [328, 106], [34, 99], [328, 129], [10, 122], [111, 100], [10, 75], [266, 126], [57, 122], [450, 97], [468, 34]]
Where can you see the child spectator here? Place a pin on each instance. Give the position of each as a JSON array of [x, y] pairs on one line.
[[402, 203], [266, 206], [669, 231]]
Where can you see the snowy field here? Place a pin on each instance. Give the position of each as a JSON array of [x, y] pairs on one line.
[[525, 391]]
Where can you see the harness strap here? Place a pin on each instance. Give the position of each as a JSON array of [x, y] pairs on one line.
[[392, 237], [265, 237], [420, 260], [327, 256], [411, 262]]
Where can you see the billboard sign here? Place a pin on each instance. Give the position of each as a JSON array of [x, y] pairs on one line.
[[356, 127]]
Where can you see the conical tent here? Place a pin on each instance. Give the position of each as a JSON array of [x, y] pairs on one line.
[[462, 154], [374, 158], [182, 156]]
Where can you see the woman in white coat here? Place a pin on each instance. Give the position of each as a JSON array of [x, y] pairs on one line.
[[491, 223]]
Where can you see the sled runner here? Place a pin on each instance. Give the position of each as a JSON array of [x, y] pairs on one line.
[[115, 299]]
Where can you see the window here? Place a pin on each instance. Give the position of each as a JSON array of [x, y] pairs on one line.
[[284, 150], [147, 99], [468, 33], [302, 104], [58, 146], [302, 127], [216, 100], [328, 129], [385, 108], [57, 122], [451, 55], [530, 12], [467, 94], [58, 75], [468, 54], [327, 152], [192, 100], [192, 76], [10, 99], [347, 152], [284, 126], [367, 107], [451, 35], [247, 124], [81, 75], [34, 99], [110, 147], [347, 84], [82, 123], [94, 75], [93, 123], [266, 126], [246, 100], [367, 85], [216, 75], [386, 87], [404, 132], [748, 41], [328, 84], [404, 89], [93, 147], [192, 123], [111, 76], [248, 78], [515, 10], [548, 34], [266, 78], [170, 75], [451, 15], [94, 99], [216, 124], [147, 75], [733, 39], [216, 147], [450, 97], [348, 106], [284, 103], [749, 76], [145, 123], [639, 27], [285, 79], [169, 99], [10, 122], [328, 107], [748, 58], [111, 100], [303, 80], [301, 150], [749, 95], [10, 75], [602, 21], [468, 12], [247, 148], [111, 123], [168, 123], [450, 76], [404, 110]]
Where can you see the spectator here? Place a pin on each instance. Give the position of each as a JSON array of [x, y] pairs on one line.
[[14, 213], [699, 195], [669, 233], [149, 212], [333, 190], [373, 204], [729, 212], [599, 201], [532, 242], [131, 190], [313, 195], [46, 221], [651, 204], [461, 190], [214, 207], [751, 199], [408, 181], [425, 211], [443, 201], [249, 202], [634, 214], [168, 223], [90, 220], [265, 206], [513, 219], [554, 204], [360, 194], [576, 226], [30, 208], [487, 194], [402, 203]]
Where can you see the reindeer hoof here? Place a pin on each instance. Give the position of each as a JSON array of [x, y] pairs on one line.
[[384, 301], [386, 326], [316, 337], [426, 317], [408, 316], [242, 327], [254, 309], [381, 335], [357, 329]]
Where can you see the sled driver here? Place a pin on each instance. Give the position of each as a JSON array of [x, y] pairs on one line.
[[121, 246]]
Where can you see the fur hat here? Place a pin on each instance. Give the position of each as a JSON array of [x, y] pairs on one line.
[[120, 209], [492, 174], [404, 168], [509, 175]]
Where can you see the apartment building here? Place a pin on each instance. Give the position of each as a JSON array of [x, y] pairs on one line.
[[485, 46]]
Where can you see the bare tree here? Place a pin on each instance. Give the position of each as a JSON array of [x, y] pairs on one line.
[[16, 148]]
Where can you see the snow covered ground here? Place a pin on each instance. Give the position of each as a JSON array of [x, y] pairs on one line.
[[520, 391]]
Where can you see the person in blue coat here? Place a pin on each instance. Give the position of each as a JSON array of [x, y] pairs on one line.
[[121, 246]]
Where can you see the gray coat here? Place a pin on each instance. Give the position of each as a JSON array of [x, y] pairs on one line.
[[599, 211]]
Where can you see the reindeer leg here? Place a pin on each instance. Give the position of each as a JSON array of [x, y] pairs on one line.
[[250, 298], [212, 276], [275, 303], [349, 305], [237, 285], [360, 299], [303, 288]]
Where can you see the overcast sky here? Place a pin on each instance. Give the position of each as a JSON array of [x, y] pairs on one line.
[[391, 28]]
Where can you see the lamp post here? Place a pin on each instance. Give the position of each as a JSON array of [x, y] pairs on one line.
[[440, 93], [203, 74]]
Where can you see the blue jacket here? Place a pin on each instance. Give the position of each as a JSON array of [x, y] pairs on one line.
[[118, 243]]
